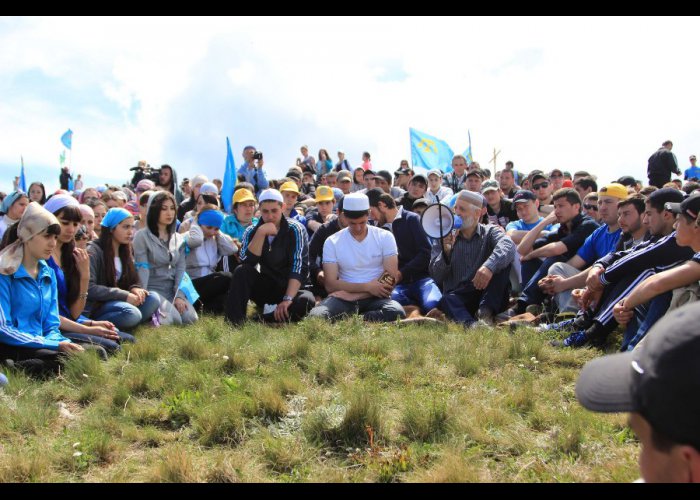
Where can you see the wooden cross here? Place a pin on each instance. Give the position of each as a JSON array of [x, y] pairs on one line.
[[495, 155]]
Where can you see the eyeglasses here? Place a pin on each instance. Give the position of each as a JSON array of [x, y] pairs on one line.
[[541, 185], [590, 207]]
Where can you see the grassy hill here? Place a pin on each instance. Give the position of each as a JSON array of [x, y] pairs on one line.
[[346, 402]]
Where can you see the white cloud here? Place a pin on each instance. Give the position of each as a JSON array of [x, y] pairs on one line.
[[576, 93]]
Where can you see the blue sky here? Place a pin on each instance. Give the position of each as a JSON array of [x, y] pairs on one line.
[[576, 93]]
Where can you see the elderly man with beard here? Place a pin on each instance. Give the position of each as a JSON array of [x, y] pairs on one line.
[[473, 265]]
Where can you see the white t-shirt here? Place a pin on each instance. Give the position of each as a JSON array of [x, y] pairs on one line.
[[359, 261], [118, 268]]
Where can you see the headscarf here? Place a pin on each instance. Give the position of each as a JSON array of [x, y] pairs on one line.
[[35, 220], [10, 199], [60, 201], [114, 216], [213, 218]]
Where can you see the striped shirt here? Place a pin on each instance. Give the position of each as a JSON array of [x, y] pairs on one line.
[[489, 246]]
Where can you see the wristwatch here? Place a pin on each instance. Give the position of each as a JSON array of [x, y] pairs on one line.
[[287, 298]]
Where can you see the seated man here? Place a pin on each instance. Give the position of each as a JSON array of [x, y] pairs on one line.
[[474, 265], [614, 276], [323, 212], [573, 230], [382, 180], [416, 190], [474, 179], [542, 188], [290, 192], [563, 277], [436, 191], [636, 310], [316, 251], [414, 286], [353, 261], [235, 224], [281, 247], [499, 209]]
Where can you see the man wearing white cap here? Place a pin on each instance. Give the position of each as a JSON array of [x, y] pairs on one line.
[[354, 261], [473, 266], [281, 247], [436, 191]]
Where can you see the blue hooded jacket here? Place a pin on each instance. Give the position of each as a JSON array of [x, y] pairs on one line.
[[29, 309]]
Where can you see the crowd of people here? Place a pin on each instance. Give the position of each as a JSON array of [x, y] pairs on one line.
[[574, 253]]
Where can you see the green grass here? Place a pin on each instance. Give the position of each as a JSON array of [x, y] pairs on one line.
[[345, 402]]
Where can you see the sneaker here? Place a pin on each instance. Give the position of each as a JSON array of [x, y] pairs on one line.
[[576, 339], [480, 323], [506, 315], [485, 315], [269, 308], [534, 309], [563, 326]]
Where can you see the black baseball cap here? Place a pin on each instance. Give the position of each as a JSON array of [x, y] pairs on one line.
[[384, 174], [373, 195], [627, 180], [690, 206], [660, 378], [419, 202], [419, 178], [666, 195], [524, 195], [403, 171]]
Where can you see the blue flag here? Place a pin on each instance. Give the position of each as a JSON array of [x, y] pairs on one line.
[[430, 152], [22, 180], [71, 184], [230, 178], [67, 139], [468, 151], [187, 287]]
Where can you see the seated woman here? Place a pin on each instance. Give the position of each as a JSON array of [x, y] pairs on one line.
[[159, 252], [99, 209], [206, 245], [29, 324], [114, 291], [88, 221], [72, 268], [208, 195], [12, 208]]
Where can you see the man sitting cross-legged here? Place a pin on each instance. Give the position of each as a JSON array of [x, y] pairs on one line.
[[354, 259], [474, 265]]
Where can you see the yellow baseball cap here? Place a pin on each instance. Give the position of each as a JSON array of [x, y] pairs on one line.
[[615, 190], [324, 193], [289, 186], [242, 195]]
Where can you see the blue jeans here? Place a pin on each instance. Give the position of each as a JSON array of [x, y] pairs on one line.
[[462, 304], [644, 318], [532, 294], [125, 316], [108, 345], [424, 292]]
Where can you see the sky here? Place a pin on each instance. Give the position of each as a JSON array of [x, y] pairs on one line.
[[579, 93]]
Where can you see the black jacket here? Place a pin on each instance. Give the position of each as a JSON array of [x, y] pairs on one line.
[[287, 257]]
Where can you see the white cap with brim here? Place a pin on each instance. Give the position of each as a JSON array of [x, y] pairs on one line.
[[355, 202], [271, 195], [436, 171]]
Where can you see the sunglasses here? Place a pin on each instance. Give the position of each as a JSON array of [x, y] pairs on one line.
[[590, 207], [542, 185]]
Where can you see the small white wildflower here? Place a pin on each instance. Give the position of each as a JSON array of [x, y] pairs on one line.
[[77, 454], [216, 355], [85, 375], [533, 359], [225, 358], [535, 362], [76, 444]]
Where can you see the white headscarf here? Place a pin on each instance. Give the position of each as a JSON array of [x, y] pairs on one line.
[[35, 220]]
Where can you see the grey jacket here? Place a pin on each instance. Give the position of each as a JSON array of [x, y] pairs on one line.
[[160, 266], [98, 291]]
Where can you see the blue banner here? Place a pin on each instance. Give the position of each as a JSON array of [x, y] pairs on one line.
[[230, 178], [67, 139], [187, 287], [430, 152]]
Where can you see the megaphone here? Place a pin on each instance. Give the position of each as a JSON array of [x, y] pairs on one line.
[[438, 220]]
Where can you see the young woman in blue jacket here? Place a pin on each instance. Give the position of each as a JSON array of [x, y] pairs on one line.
[[29, 322]]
